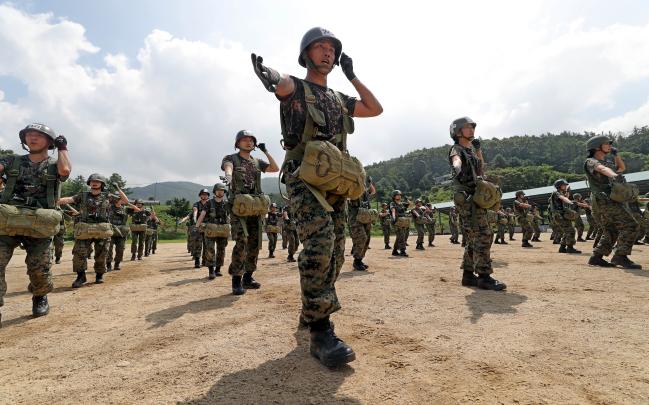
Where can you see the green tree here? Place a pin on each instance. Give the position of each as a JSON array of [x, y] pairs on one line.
[[73, 186], [120, 181], [178, 208]]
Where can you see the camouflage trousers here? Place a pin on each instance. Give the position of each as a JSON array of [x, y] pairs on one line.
[[565, 232], [537, 229], [80, 255], [189, 238], [579, 226], [421, 232], [501, 232], [38, 261], [246, 246], [430, 228], [454, 234], [196, 243], [386, 233], [618, 227], [215, 251], [151, 243], [526, 227], [475, 223], [137, 243], [322, 257], [640, 227], [59, 241], [118, 243], [284, 240], [360, 234], [272, 241], [402, 235], [510, 230], [292, 241]]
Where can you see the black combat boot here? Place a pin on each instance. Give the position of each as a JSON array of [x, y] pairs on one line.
[[598, 260], [562, 249], [502, 242], [210, 273], [486, 282], [327, 347], [526, 244], [358, 265], [109, 267], [58, 260], [271, 255], [249, 282], [556, 241], [81, 279], [403, 253], [153, 252], [571, 249], [116, 268], [197, 263], [469, 279], [430, 244], [99, 278], [290, 259], [146, 254], [624, 261], [395, 252], [580, 239], [133, 257], [139, 257], [237, 288], [217, 271], [40, 307], [420, 246], [497, 241]]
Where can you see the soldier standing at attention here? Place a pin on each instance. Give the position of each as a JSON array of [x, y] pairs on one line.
[[118, 217], [272, 223], [384, 218], [322, 232], [418, 216], [217, 212], [33, 180], [616, 221], [521, 208], [398, 210], [243, 174], [452, 225], [465, 158], [94, 206], [138, 228]]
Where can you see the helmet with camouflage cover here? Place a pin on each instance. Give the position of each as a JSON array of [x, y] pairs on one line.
[[242, 134], [97, 177], [203, 191], [42, 128], [396, 192], [520, 193], [577, 196], [458, 124], [315, 34], [560, 183], [217, 186], [597, 141]]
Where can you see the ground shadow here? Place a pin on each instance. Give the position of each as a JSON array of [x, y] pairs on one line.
[[640, 273], [482, 302], [16, 321], [26, 292], [354, 273], [498, 264], [163, 317], [186, 281], [296, 378], [189, 267]]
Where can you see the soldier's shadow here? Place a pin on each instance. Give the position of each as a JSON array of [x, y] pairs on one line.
[[16, 321], [482, 302], [296, 378], [163, 317], [353, 273], [639, 273], [186, 281], [26, 292]]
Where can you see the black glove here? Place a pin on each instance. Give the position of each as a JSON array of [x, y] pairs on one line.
[[613, 151], [61, 143], [476, 143], [269, 77], [262, 147], [619, 179], [347, 66]]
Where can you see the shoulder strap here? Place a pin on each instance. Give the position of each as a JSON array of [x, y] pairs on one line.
[[12, 176], [346, 116], [84, 205], [52, 184], [468, 160], [236, 162]]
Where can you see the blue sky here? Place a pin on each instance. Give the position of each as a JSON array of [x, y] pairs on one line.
[[149, 82]]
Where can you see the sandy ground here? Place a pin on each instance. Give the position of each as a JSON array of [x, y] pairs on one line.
[[159, 332]]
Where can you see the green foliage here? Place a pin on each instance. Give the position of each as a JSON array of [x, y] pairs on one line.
[[74, 186], [519, 178], [6, 152], [121, 182]]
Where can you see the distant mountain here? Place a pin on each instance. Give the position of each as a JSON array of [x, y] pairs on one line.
[[167, 190]]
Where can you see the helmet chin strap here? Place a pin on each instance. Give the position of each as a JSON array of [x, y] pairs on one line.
[[311, 65]]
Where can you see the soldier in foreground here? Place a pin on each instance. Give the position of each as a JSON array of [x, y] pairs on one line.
[[465, 158], [33, 181], [321, 228]]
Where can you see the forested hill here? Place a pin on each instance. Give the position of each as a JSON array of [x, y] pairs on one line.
[[519, 162]]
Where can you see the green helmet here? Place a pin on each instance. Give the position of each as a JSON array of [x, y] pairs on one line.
[[458, 124], [97, 177], [42, 128], [597, 141], [560, 182], [315, 34], [203, 191], [396, 192], [418, 201], [242, 134], [520, 193], [217, 186], [137, 201]]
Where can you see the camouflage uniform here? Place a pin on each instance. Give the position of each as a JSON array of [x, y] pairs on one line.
[[521, 217], [501, 227], [94, 210], [322, 233], [246, 231], [592, 226], [565, 230], [417, 214], [217, 212], [617, 223], [360, 233], [137, 238], [430, 226], [118, 217], [536, 225], [284, 237], [151, 240], [272, 218], [384, 217], [292, 239], [59, 241], [400, 242], [29, 190], [198, 240], [579, 223], [511, 224], [452, 225]]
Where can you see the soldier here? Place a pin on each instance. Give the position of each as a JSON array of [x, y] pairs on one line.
[[360, 232], [562, 210], [465, 158], [59, 238], [33, 180], [292, 240], [272, 223], [384, 218], [216, 212], [452, 225], [536, 223], [151, 240], [322, 231], [521, 208], [283, 230], [511, 223], [417, 214], [592, 227], [430, 214], [579, 223], [118, 216], [93, 206], [616, 221], [398, 210], [503, 220], [138, 228], [198, 242], [243, 174]]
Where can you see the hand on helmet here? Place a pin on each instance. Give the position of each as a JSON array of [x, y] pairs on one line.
[[61, 143], [347, 66], [262, 147], [613, 151], [269, 77]]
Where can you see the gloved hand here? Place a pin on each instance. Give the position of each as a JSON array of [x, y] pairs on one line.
[[61, 143], [476, 143], [613, 151], [619, 178], [269, 77], [347, 66], [227, 178], [262, 147]]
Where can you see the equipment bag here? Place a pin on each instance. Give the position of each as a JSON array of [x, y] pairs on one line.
[[121, 231], [365, 216], [502, 221], [84, 230], [624, 192], [23, 221], [403, 222], [570, 214], [149, 231], [272, 229], [216, 230], [248, 205], [487, 195], [138, 227]]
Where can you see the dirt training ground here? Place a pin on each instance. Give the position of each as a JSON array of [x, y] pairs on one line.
[[159, 332]]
